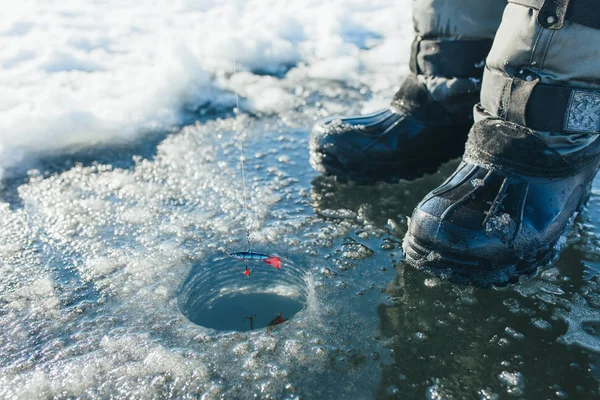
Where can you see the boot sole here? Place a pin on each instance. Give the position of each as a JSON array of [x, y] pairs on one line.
[[481, 272]]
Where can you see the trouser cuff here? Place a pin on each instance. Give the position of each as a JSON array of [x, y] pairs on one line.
[[523, 100], [513, 149]]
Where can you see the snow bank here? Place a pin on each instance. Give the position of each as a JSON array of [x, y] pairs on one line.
[[76, 74]]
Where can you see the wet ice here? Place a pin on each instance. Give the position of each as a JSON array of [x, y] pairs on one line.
[[96, 248]]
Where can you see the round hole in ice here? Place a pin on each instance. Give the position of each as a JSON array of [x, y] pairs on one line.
[[217, 295]]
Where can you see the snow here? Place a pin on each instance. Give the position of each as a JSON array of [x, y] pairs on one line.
[[77, 74]]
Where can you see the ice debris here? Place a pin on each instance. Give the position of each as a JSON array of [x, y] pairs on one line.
[[356, 251]]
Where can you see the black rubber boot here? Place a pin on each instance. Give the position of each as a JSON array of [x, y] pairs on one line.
[[414, 136], [504, 210]]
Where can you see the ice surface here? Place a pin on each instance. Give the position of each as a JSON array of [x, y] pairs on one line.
[[96, 247], [75, 76], [97, 258], [100, 255], [581, 319]]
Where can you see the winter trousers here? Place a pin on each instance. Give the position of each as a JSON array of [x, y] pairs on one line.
[[542, 68]]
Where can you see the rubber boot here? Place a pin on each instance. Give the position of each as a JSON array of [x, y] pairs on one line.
[[429, 118], [531, 156], [412, 137]]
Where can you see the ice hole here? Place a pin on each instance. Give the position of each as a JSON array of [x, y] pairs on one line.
[[217, 295]]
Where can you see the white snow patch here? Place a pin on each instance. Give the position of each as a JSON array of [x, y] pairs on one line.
[[38, 297], [79, 74]]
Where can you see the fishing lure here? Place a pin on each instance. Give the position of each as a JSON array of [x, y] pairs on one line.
[[250, 255], [246, 256]]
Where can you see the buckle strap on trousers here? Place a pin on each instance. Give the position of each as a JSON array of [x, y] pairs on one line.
[[542, 107]]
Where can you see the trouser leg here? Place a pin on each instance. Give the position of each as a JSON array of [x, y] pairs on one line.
[[430, 116], [453, 37], [457, 19], [544, 69]]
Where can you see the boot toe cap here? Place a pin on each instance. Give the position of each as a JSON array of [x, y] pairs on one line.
[[491, 230], [347, 146], [471, 229]]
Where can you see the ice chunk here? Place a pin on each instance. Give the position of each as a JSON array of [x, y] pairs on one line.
[[514, 382], [356, 251], [477, 182], [500, 225]]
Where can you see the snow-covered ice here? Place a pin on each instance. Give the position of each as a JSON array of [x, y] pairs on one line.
[[107, 254], [76, 74]]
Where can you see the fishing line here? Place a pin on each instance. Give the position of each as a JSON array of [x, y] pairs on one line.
[[272, 260], [241, 143]]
